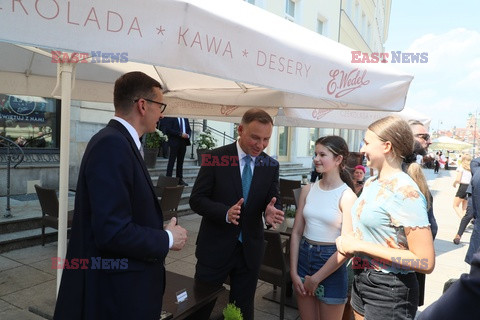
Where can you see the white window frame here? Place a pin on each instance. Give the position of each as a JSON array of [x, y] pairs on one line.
[[288, 16]]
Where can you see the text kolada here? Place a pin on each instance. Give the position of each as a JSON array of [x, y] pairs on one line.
[[54, 9]]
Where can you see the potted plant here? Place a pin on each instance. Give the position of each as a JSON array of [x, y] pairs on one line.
[[290, 217], [232, 312], [153, 143], [205, 141]]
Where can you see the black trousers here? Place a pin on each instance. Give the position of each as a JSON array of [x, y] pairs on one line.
[[243, 281], [465, 220], [177, 153]]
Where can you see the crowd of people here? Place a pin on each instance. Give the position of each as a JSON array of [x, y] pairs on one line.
[[365, 242]]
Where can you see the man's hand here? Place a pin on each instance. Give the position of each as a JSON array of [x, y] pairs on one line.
[[234, 212], [179, 234], [185, 136], [273, 216]]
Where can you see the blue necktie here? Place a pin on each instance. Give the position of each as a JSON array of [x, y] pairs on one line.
[[246, 178], [246, 182], [182, 125]]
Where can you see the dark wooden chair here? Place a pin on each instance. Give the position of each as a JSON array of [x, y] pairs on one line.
[[274, 268], [296, 195], [164, 181], [49, 203], [170, 200], [286, 191]]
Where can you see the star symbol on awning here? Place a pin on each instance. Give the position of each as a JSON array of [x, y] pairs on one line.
[[245, 53], [160, 30]]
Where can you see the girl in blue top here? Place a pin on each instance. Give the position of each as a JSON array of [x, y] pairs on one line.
[[392, 236]]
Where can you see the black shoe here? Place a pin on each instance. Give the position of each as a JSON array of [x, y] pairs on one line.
[[181, 182]]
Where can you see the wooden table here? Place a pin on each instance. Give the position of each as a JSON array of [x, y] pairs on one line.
[[199, 295]]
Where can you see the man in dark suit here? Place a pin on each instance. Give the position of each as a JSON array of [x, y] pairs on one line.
[[460, 301], [474, 204], [235, 185], [178, 132], [118, 228]]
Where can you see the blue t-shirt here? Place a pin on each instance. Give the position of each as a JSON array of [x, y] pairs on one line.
[[380, 214]]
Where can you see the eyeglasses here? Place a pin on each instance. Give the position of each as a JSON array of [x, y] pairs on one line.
[[163, 106], [424, 136]]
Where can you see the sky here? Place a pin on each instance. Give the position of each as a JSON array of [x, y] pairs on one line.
[[447, 87]]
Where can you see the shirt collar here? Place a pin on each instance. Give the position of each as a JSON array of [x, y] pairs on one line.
[[130, 130], [242, 154]]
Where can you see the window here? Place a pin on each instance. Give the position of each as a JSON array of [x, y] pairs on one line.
[[314, 135], [290, 10], [320, 26], [349, 8], [363, 26], [356, 20], [30, 121]]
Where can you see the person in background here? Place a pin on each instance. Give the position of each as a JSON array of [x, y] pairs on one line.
[[463, 178], [231, 199], [469, 215], [391, 227], [474, 202], [118, 221], [436, 163], [422, 141], [358, 179], [322, 215], [178, 131]]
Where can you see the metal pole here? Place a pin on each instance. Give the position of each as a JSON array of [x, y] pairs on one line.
[[65, 73]]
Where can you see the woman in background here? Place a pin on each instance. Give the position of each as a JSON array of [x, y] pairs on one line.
[[358, 179], [464, 176]]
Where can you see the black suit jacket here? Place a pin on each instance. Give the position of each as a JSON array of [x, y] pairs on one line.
[[218, 187], [172, 129], [460, 301], [117, 216]]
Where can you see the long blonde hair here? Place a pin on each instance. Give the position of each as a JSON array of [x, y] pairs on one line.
[[398, 132], [466, 159]]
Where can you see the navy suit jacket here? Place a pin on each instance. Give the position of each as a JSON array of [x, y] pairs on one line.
[[218, 187], [460, 301], [117, 216], [171, 127]]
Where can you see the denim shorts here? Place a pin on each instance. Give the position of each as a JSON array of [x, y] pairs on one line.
[[379, 295], [311, 258]]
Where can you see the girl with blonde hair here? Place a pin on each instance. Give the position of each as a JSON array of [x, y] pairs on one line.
[[392, 237], [464, 176]]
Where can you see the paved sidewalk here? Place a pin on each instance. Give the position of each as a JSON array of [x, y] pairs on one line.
[[27, 279]]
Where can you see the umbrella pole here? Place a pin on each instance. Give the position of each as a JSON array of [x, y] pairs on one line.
[[66, 71]]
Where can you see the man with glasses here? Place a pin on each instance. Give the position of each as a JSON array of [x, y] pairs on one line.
[[421, 143], [118, 229], [178, 132]]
